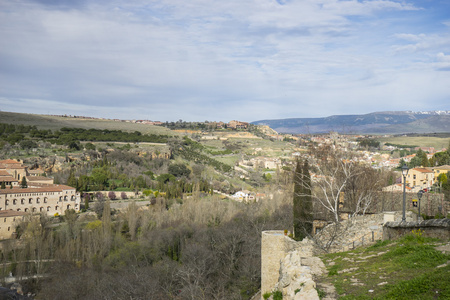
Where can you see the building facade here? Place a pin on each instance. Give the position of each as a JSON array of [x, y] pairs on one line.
[[420, 177], [50, 199]]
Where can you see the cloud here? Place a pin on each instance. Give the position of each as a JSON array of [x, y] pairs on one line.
[[224, 60]]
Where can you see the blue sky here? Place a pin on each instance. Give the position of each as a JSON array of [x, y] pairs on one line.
[[202, 60]]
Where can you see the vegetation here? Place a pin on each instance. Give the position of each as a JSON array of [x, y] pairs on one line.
[[201, 249], [402, 269], [302, 206]]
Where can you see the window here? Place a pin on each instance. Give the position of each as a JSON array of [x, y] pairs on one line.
[[14, 201], [41, 209], [414, 176], [48, 208], [6, 202], [30, 201], [22, 201], [45, 199], [38, 200]]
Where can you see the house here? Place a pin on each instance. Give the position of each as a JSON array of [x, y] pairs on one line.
[[420, 177], [7, 179], [398, 187], [440, 170], [244, 196], [14, 168], [9, 219], [238, 125]]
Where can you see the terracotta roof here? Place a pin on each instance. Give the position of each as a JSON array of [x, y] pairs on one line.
[[11, 166], [38, 178], [423, 170], [8, 178], [50, 188], [11, 213], [9, 161], [4, 173]]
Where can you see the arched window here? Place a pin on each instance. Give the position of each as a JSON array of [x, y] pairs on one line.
[[14, 201], [22, 201], [56, 207], [65, 198], [18, 209], [60, 198], [30, 201], [45, 199], [41, 209], [68, 206], [34, 209], [48, 208], [26, 209], [6, 202], [38, 200], [72, 198]]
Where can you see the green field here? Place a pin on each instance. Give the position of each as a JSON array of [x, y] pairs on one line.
[[425, 141]]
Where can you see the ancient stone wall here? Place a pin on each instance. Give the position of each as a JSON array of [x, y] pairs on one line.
[[274, 247], [437, 228]]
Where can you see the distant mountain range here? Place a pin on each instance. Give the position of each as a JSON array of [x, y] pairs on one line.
[[387, 122]]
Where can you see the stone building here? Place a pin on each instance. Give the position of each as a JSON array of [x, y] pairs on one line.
[[41, 195], [49, 199], [8, 222]]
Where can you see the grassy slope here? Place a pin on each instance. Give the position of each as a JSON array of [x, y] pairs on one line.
[[55, 123], [437, 143], [402, 269]]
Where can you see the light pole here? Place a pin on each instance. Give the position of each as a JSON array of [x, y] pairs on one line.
[[419, 195], [405, 170]]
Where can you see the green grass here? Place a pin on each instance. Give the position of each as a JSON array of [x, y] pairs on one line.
[[56, 123], [401, 269], [422, 141]]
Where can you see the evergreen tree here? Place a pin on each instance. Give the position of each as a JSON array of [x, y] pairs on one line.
[[24, 183], [303, 216], [72, 180]]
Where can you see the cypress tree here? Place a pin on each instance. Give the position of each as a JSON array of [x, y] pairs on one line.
[[24, 183], [303, 216]]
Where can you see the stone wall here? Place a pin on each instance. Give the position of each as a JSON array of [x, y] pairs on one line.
[[437, 228], [274, 247]]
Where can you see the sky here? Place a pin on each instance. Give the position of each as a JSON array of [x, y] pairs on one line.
[[197, 60]]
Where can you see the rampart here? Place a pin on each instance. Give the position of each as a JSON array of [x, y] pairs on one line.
[[436, 228]]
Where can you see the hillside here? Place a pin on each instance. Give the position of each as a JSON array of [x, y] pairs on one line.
[[56, 123], [376, 123]]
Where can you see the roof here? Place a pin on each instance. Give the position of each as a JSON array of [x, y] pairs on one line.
[[50, 188], [444, 167], [11, 166], [4, 173], [38, 178], [11, 213], [8, 179], [422, 170], [10, 161]]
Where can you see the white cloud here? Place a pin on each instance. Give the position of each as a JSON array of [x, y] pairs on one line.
[[203, 60]]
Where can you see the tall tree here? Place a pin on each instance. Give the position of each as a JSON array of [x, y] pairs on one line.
[[24, 183], [303, 209]]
